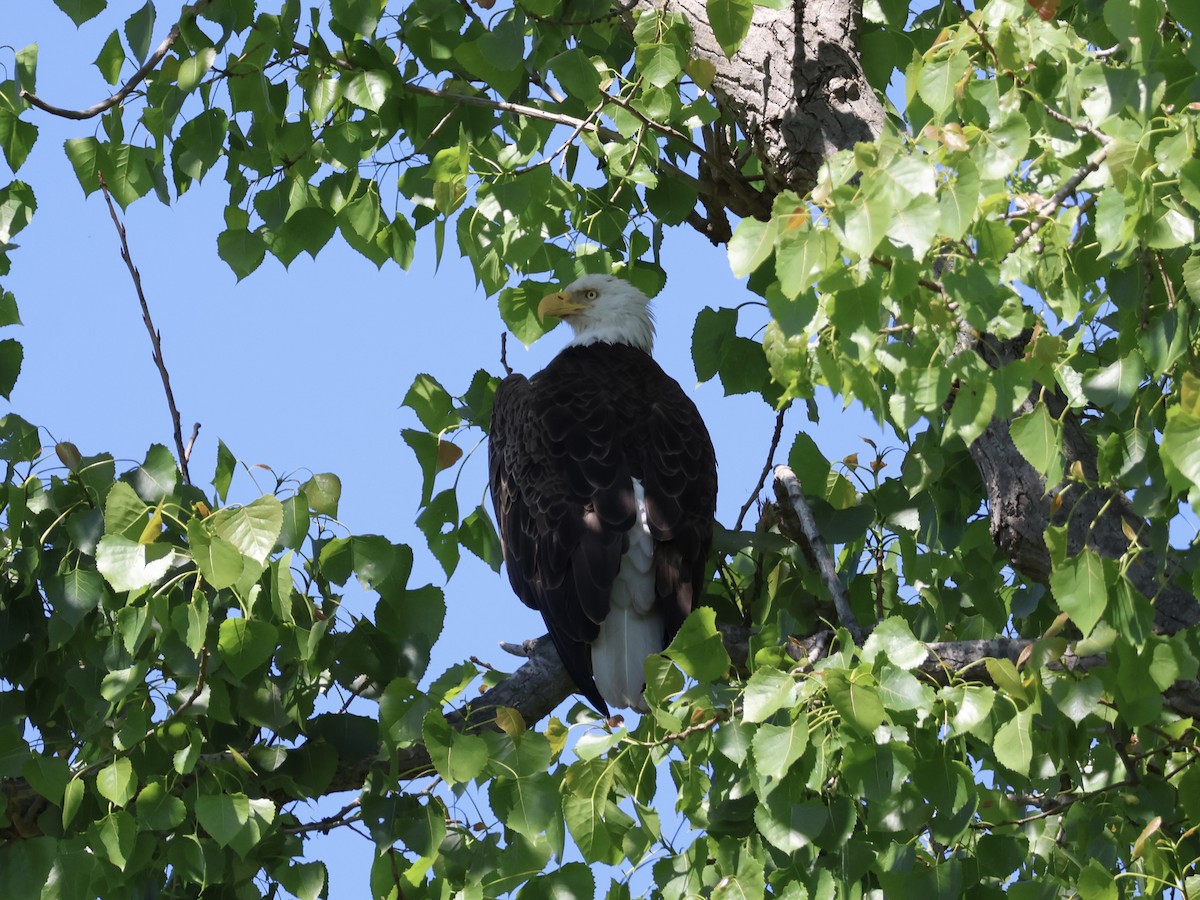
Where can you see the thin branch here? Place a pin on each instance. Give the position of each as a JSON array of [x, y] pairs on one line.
[[138, 77], [1042, 216], [504, 353], [155, 337], [762, 479], [791, 496]]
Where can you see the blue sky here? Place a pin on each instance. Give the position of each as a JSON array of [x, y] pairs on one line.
[[302, 369]]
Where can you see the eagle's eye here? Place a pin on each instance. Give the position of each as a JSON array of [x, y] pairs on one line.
[[591, 293]]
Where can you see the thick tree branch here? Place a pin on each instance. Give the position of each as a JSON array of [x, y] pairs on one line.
[[541, 684], [795, 87], [1021, 505]]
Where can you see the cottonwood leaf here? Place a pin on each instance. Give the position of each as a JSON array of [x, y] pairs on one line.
[[246, 644], [730, 21], [1080, 586], [698, 648], [777, 747], [1014, 742], [116, 782]]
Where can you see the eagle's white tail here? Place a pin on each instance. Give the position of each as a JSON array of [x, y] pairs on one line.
[[634, 628]]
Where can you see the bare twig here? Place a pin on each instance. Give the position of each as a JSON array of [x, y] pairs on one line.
[[762, 479], [155, 338], [791, 495], [138, 77], [504, 353], [187, 451]]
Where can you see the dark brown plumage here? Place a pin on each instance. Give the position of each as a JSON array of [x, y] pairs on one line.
[[566, 446]]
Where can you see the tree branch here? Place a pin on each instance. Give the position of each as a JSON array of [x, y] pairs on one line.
[[139, 76], [155, 340], [541, 684], [791, 497]]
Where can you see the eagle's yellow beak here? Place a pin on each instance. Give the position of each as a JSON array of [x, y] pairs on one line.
[[558, 304]]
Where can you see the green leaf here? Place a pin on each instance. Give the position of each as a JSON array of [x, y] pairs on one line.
[[12, 355], [17, 206], [223, 476], [432, 403], [158, 810], [788, 820], [113, 837], [767, 691], [324, 492], [1014, 742], [48, 775], [81, 11], [111, 59], [1078, 698], [698, 648], [128, 565], [710, 336], [577, 75], [518, 309], [660, 63], [438, 521], [1038, 437], [803, 257], [1081, 587], [528, 804], [193, 69], [457, 757], [862, 225], [856, 699], [223, 816], [156, 477], [86, 155], [777, 747], [730, 21], [139, 29], [246, 644], [894, 640], [752, 243], [1180, 449], [220, 563], [17, 138], [116, 782], [242, 250], [305, 880], [1115, 386], [296, 521], [477, 533], [586, 790], [937, 80], [253, 529], [72, 799], [367, 90], [1006, 146]]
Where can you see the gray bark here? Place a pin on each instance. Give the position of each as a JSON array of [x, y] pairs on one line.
[[795, 86]]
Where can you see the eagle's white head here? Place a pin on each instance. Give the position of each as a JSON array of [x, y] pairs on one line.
[[603, 309]]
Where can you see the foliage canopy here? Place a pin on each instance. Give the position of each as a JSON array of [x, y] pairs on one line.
[[980, 224]]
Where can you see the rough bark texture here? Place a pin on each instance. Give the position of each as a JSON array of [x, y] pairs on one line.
[[1021, 505], [795, 86]]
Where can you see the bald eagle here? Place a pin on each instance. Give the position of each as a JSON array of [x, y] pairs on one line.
[[604, 483]]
